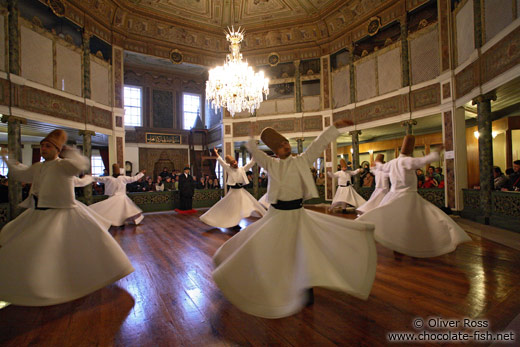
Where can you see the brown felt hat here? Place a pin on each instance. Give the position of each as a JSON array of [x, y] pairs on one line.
[[272, 138], [380, 158], [342, 162], [115, 169], [229, 159], [408, 145], [57, 138]]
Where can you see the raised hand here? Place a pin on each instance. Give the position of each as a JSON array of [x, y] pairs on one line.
[[215, 150]]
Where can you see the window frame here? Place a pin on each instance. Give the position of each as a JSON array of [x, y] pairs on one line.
[[183, 110], [140, 107]]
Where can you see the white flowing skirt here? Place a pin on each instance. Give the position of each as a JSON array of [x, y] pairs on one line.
[[266, 268], [228, 212], [263, 201], [348, 195], [409, 224], [48, 257], [117, 209], [375, 200]]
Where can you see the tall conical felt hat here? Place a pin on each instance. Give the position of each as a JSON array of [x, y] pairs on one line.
[[57, 138], [229, 159], [115, 169], [380, 158], [342, 162], [408, 145], [272, 138]]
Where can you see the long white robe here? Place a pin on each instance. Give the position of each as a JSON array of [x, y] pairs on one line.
[[118, 207], [266, 269], [59, 254], [380, 191], [82, 182], [407, 223], [346, 194], [237, 203]]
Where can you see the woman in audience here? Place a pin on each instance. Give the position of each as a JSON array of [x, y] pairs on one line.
[[159, 185]]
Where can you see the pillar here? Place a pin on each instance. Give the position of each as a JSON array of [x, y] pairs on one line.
[[355, 155], [352, 77], [14, 41], [477, 20], [297, 86], [405, 66], [87, 152], [243, 151], [485, 151], [408, 124], [299, 143], [86, 65], [14, 146]]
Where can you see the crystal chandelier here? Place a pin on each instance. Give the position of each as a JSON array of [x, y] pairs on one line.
[[235, 85]]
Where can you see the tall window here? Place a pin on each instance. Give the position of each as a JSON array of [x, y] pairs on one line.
[[97, 165], [133, 106], [3, 167], [191, 110]]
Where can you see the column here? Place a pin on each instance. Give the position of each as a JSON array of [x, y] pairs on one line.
[[355, 155], [87, 152], [485, 151], [405, 66], [352, 77], [86, 65], [477, 20], [243, 151], [299, 143], [14, 146], [408, 124], [297, 86], [14, 41]]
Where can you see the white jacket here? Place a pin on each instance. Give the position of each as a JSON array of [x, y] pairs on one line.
[[238, 175], [52, 181], [116, 186]]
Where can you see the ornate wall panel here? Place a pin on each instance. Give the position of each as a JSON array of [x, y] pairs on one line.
[[100, 82], [120, 151], [148, 157], [467, 79], [497, 15], [286, 125], [444, 32], [162, 108], [347, 114], [465, 42], [503, 56], [448, 131], [4, 92], [118, 77], [314, 123], [325, 75], [366, 79], [36, 57], [3, 35], [446, 90], [426, 97], [241, 129], [68, 70], [450, 182], [340, 87], [311, 103], [385, 108], [267, 107], [389, 71], [99, 117], [424, 56], [285, 106]]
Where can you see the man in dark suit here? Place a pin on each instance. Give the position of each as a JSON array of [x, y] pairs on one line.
[[185, 189]]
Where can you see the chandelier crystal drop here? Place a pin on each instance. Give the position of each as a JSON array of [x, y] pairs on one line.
[[235, 85]]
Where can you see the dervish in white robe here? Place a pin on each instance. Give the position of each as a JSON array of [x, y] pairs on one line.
[[118, 207], [263, 201], [407, 223], [237, 203], [380, 191], [267, 268], [82, 182], [55, 251], [345, 194]]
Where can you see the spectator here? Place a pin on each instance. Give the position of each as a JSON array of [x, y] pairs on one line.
[[168, 184], [320, 181], [249, 175], [263, 180], [176, 183], [349, 166], [159, 185], [429, 182], [202, 184], [420, 178], [216, 184], [514, 178], [164, 173], [368, 180], [438, 174], [500, 180], [105, 173]]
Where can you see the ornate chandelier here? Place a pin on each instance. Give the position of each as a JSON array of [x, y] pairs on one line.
[[235, 85]]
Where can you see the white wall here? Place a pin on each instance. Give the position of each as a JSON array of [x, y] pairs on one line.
[[132, 155]]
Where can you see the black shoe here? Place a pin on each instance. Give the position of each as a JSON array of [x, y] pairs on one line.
[[310, 297]]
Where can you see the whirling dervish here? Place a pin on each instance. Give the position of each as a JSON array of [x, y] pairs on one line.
[[118, 207], [55, 252], [405, 222], [382, 187], [269, 268], [237, 203], [346, 194]]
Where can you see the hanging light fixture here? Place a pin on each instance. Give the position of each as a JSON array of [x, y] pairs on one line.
[[235, 85]]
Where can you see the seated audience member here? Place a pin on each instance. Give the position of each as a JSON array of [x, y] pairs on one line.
[[249, 175], [168, 184], [176, 183], [320, 181], [500, 180], [4, 197], [148, 185], [420, 178], [263, 180], [164, 173], [159, 185], [438, 174], [429, 182], [338, 168], [202, 184], [514, 178], [105, 173], [368, 180], [216, 184]]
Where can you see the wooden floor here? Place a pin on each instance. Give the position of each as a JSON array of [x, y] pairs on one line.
[[171, 300]]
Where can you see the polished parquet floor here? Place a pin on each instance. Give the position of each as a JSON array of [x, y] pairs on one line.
[[171, 300]]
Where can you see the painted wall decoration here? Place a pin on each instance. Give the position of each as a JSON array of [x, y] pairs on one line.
[[157, 138], [162, 109], [426, 97]]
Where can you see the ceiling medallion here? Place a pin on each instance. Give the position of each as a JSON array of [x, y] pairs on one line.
[[235, 85], [176, 56], [374, 24], [274, 59], [57, 7]]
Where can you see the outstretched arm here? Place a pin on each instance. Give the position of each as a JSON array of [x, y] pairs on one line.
[[261, 158], [129, 179], [317, 147], [73, 161], [249, 165], [82, 182]]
